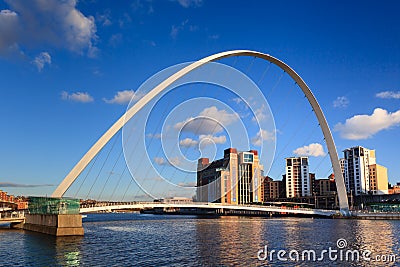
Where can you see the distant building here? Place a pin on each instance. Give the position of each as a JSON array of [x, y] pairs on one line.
[[395, 189], [19, 203], [3, 196], [234, 179], [378, 179], [325, 187], [357, 165], [298, 182], [271, 189]]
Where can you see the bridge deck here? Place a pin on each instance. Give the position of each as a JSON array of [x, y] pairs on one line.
[[198, 205]]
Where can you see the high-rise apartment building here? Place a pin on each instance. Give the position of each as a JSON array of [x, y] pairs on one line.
[[361, 173], [234, 179], [298, 183]]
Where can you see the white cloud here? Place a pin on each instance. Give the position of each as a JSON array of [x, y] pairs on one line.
[[341, 102], [312, 150], [189, 3], [237, 100], [124, 97], [175, 161], [105, 18], [263, 135], [365, 126], [160, 161], [260, 114], [210, 139], [188, 142], [176, 29], [204, 139], [9, 26], [388, 94], [209, 121], [41, 60], [77, 97], [46, 22]]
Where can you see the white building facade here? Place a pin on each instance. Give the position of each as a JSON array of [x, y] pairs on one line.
[[356, 164], [298, 182]]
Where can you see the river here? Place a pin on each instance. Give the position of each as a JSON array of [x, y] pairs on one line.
[[128, 239]]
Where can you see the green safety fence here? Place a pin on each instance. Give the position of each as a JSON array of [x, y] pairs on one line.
[[47, 205], [384, 207]]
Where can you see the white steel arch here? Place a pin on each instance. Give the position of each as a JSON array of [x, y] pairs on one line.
[[95, 149]]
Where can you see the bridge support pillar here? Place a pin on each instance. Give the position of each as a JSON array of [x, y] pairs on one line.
[[55, 224], [54, 216]]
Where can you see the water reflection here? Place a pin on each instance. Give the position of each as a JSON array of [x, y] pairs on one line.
[[45, 250], [224, 240], [68, 250], [190, 241]]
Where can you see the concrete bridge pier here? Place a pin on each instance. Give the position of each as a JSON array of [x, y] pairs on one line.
[[55, 224], [54, 216]]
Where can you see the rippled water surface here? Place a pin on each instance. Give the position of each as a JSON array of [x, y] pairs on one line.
[[158, 240]]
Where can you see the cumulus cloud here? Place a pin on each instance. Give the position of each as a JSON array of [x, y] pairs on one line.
[[312, 150], [209, 121], [188, 142], [41, 60], [263, 135], [124, 97], [77, 97], [208, 139], [388, 95], [46, 22], [365, 126], [341, 102]]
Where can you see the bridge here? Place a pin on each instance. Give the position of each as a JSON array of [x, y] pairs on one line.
[[207, 206], [161, 87], [164, 84], [19, 217]]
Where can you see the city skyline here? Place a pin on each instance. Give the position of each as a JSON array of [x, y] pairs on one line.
[[62, 91]]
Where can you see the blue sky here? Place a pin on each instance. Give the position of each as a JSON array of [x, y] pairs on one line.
[[68, 70]]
